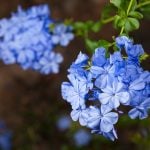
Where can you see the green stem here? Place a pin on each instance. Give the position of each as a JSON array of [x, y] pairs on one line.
[[129, 7], [142, 4], [108, 20], [122, 29], [128, 10]]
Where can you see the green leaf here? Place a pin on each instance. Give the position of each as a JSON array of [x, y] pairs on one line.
[[96, 26], [104, 43], [145, 10], [119, 22], [92, 45], [136, 14], [80, 28], [116, 20], [123, 4], [144, 57], [107, 11], [120, 4], [117, 3], [79, 25], [89, 24], [131, 24]]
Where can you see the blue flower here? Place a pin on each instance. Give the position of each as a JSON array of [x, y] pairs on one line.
[[74, 92], [135, 51], [118, 63], [25, 39], [114, 94], [131, 72], [82, 138], [101, 119], [99, 58], [135, 86], [63, 123], [79, 64], [123, 41], [62, 35], [141, 107], [116, 57], [5, 137], [41, 10], [107, 83], [49, 63], [81, 115], [103, 74], [112, 135]]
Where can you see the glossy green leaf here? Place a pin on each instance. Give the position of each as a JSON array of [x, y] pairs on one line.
[[136, 14], [92, 45], [96, 26], [117, 3], [131, 24], [104, 43]]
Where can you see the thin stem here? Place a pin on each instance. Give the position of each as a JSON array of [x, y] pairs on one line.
[[142, 4], [122, 29], [105, 21], [129, 7], [128, 10]]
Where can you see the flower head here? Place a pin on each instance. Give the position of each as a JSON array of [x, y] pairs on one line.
[[99, 86], [25, 39]]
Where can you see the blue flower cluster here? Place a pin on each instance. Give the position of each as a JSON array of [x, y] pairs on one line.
[[26, 39], [98, 86]]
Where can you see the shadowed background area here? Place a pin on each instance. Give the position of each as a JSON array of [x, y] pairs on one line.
[[31, 103]]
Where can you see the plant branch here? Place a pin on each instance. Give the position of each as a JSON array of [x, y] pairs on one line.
[[105, 21], [142, 4], [129, 7]]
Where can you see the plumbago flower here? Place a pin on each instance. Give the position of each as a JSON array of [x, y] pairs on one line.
[[99, 86], [62, 35], [25, 39]]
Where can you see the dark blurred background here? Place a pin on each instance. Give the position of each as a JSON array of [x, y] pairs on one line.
[[31, 103]]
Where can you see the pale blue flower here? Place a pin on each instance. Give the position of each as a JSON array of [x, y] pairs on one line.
[[62, 35], [114, 94], [74, 92], [103, 75], [123, 41], [79, 64], [81, 115], [141, 106], [99, 58], [49, 63], [82, 138], [25, 39], [135, 86], [107, 83], [135, 51], [115, 57], [101, 119], [63, 123], [112, 135]]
